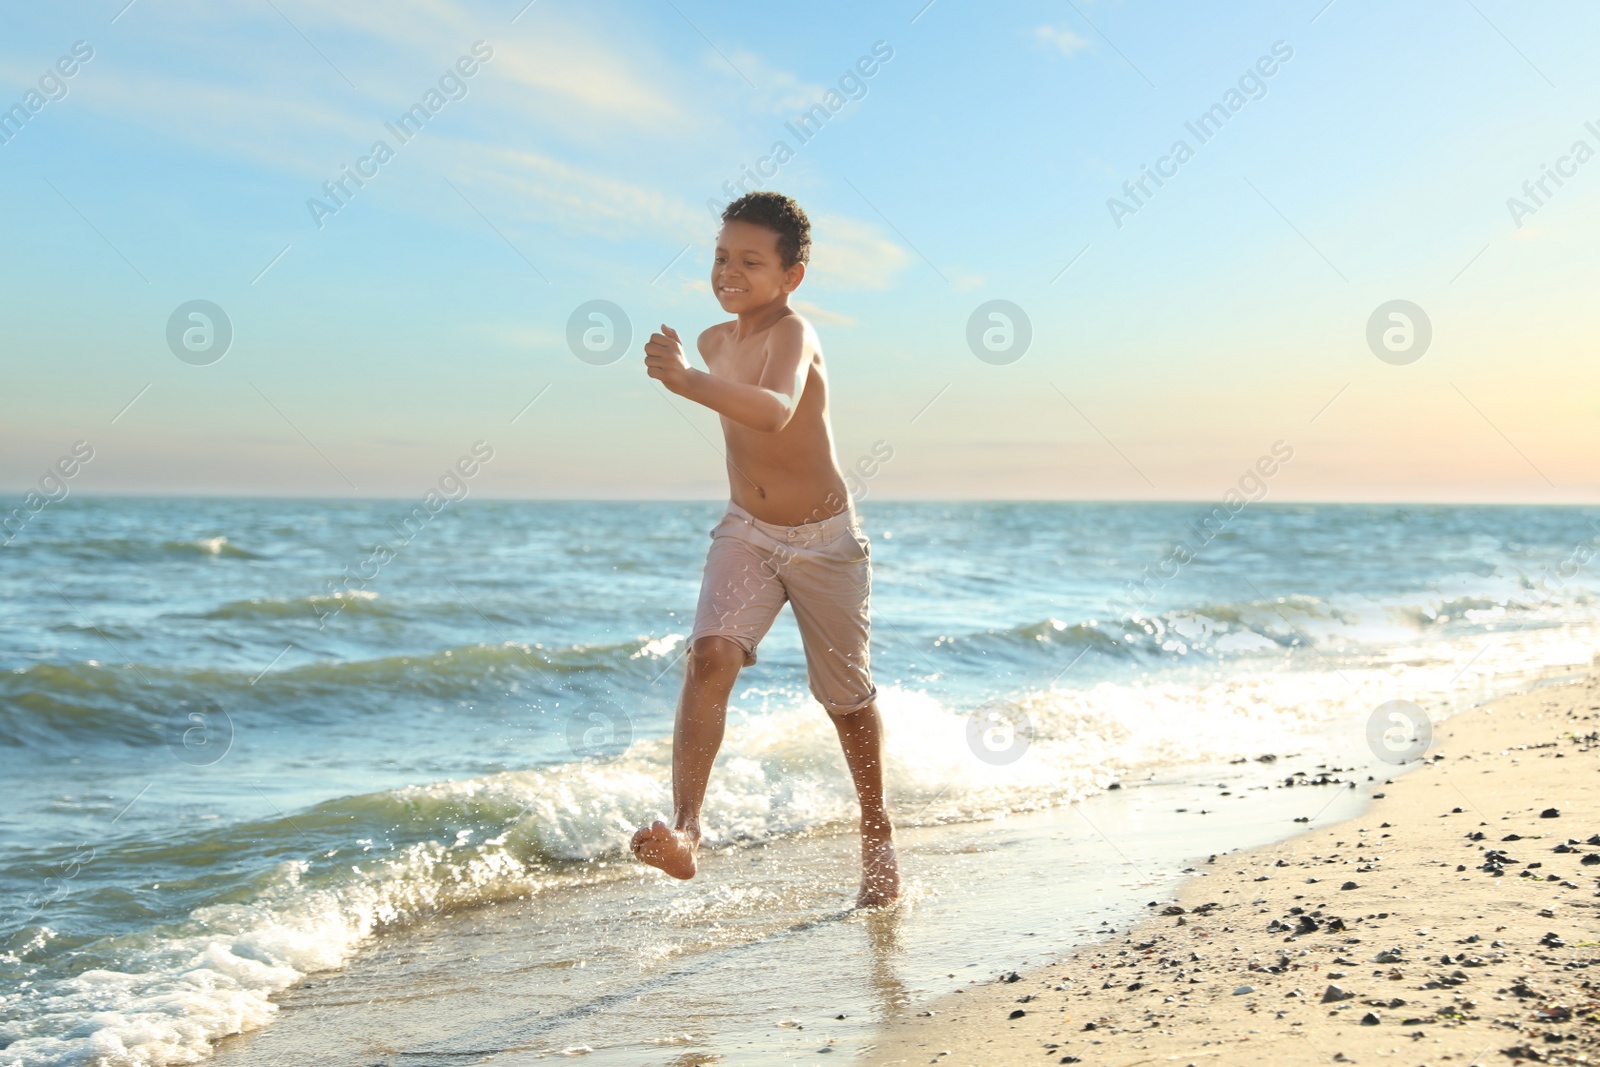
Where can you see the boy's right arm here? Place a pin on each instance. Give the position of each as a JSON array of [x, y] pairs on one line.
[[766, 407]]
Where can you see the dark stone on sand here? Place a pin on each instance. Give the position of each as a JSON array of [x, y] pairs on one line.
[[1011, 976], [1349, 885], [1333, 993], [1550, 813], [1017, 1014], [1370, 1019], [1390, 955], [1595, 840], [1552, 940], [1590, 860]]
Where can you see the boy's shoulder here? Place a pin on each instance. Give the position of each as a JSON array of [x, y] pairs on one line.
[[792, 329], [793, 326], [716, 331]]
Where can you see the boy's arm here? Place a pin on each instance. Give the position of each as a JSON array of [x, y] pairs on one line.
[[767, 406]]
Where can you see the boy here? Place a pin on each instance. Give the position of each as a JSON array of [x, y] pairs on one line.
[[789, 534]]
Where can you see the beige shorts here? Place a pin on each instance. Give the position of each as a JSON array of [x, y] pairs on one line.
[[824, 571]]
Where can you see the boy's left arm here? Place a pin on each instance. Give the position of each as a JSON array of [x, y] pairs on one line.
[[766, 406]]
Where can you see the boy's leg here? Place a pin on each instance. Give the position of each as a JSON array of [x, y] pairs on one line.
[[713, 666], [830, 589], [861, 737], [740, 596]]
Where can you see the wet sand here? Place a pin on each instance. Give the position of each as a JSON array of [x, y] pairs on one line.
[[1455, 921], [760, 960]]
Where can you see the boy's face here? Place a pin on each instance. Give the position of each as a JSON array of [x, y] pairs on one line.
[[747, 271]]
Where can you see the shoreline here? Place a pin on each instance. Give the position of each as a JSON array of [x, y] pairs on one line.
[[1370, 906]]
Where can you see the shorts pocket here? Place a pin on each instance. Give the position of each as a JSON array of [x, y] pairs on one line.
[[851, 546]]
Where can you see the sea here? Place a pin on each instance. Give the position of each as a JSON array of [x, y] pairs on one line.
[[251, 745]]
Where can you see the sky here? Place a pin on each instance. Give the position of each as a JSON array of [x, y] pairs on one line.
[[1356, 154]]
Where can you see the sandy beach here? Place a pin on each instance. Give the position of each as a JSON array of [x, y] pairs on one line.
[[1457, 920]]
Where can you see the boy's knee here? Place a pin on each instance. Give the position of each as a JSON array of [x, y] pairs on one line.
[[715, 655]]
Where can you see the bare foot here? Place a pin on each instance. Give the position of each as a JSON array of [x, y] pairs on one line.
[[880, 872], [671, 850]]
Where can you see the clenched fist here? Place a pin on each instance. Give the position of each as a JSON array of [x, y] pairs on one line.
[[664, 360]]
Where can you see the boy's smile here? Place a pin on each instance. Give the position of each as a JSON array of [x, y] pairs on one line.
[[747, 272]]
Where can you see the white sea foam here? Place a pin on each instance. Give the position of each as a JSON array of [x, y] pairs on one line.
[[780, 772]]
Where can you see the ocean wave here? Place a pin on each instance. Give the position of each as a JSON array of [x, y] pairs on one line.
[[132, 550], [208, 546], [1219, 629], [48, 703], [359, 601]]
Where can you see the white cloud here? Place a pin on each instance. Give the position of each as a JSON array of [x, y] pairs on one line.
[[519, 335], [283, 131], [780, 91], [847, 253], [1068, 42], [551, 191], [561, 59], [821, 314], [285, 108], [591, 76]]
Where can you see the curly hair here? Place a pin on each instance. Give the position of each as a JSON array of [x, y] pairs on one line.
[[780, 214]]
